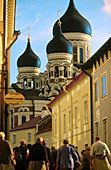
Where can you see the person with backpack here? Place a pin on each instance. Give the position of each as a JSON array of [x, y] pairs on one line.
[[20, 155]]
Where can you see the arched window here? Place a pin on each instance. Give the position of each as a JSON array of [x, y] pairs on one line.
[[56, 71], [23, 119], [33, 83], [65, 71], [81, 55], [25, 82], [75, 54]]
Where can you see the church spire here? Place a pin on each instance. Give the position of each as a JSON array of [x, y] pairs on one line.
[[28, 34]]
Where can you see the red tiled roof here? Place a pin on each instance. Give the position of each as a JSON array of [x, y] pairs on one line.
[[28, 125], [81, 75], [45, 130]]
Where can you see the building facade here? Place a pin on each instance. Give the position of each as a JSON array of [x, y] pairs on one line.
[[71, 114], [8, 36], [100, 69]]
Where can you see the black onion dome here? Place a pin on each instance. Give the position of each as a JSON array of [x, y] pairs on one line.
[[72, 21], [28, 58], [59, 43]]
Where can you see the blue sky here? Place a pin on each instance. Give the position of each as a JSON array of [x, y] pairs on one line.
[[40, 16]]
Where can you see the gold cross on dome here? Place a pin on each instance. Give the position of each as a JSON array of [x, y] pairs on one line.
[[29, 32], [59, 22]]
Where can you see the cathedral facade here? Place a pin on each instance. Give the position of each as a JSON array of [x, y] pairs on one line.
[[69, 48]]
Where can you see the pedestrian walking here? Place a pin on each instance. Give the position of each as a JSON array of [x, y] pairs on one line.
[[53, 157], [86, 159], [6, 153], [81, 160], [65, 157], [99, 155], [22, 154], [37, 155], [48, 155]]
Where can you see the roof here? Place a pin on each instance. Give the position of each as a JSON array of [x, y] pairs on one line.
[[59, 44], [73, 21], [27, 125], [99, 54], [28, 58], [45, 124], [79, 77], [29, 94]]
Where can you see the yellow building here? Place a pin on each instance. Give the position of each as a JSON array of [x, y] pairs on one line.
[[31, 129], [99, 66], [8, 36], [71, 117]]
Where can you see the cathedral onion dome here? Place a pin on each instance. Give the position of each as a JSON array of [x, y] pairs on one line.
[[72, 21], [28, 58], [59, 43]]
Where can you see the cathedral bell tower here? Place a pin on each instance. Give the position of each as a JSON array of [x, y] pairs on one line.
[[28, 67], [78, 31]]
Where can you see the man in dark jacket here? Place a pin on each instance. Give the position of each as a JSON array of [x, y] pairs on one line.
[[65, 157], [6, 152], [37, 155]]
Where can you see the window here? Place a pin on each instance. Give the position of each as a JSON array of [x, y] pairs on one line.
[[96, 129], [75, 54], [81, 55], [14, 139], [105, 130], [64, 120], [75, 118], [69, 120], [96, 91], [15, 121], [23, 119], [104, 88], [29, 137], [85, 112], [25, 82], [74, 75], [56, 71], [65, 71], [33, 83]]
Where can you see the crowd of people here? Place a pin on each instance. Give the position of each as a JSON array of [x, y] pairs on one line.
[[39, 157]]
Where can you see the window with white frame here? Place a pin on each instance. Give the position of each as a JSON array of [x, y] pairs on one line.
[[64, 121], [96, 88], [104, 86], [81, 55], [69, 124], [33, 83], [75, 118], [85, 112], [29, 137], [23, 119], [105, 130], [25, 83], [96, 129], [14, 139]]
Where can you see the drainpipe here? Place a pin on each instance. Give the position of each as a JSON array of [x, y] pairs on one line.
[[91, 101]]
